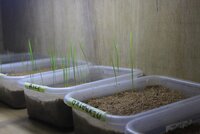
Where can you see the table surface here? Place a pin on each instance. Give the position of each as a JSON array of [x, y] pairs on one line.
[[16, 121]]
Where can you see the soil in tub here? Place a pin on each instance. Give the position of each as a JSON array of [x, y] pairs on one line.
[[133, 102]]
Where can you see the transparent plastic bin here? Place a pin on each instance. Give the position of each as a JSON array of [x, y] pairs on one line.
[[177, 116], [89, 119], [12, 57], [89, 76], [44, 97], [10, 92]]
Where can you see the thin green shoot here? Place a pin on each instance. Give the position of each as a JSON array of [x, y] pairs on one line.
[[76, 63], [131, 50], [85, 57], [73, 56], [84, 54], [42, 80], [31, 58], [65, 75], [114, 59], [31, 54], [116, 55], [53, 65], [114, 70], [68, 62], [113, 67]]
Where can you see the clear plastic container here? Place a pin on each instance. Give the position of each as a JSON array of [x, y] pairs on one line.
[[47, 103], [10, 92], [12, 57], [177, 116], [89, 119], [87, 76]]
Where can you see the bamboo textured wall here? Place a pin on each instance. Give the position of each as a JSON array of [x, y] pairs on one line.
[[166, 33]]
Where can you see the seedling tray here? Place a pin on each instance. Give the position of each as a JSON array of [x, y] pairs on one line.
[[45, 103], [89, 120]]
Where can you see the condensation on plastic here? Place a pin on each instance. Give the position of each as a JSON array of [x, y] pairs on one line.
[[91, 76], [165, 120], [117, 123], [11, 82]]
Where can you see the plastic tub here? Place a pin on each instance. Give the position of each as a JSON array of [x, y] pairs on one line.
[[88, 119], [10, 93], [47, 105], [12, 57], [178, 116]]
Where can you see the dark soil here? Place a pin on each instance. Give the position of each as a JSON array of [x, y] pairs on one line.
[[192, 129], [133, 102]]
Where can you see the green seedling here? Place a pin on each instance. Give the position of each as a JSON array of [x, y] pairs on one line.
[[24, 62], [31, 54], [31, 58], [73, 57], [53, 65], [85, 57], [84, 54], [68, 63], [114, 70], [114, 59], [116, 55], [34, 68], [64, 71], [131, 55]]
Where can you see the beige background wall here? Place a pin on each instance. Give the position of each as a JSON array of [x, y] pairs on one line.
[[166, 33]]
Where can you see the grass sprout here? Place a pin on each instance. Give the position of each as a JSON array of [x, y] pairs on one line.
[[115, 60], [131, 50], [64, 67], [73, 58], [31, 58], [53, 64]]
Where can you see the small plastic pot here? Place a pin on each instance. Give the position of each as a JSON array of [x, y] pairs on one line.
[[89, 120]]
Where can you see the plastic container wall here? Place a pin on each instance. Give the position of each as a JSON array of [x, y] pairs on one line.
[[167, 120], [12, 57], [87, 76]]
